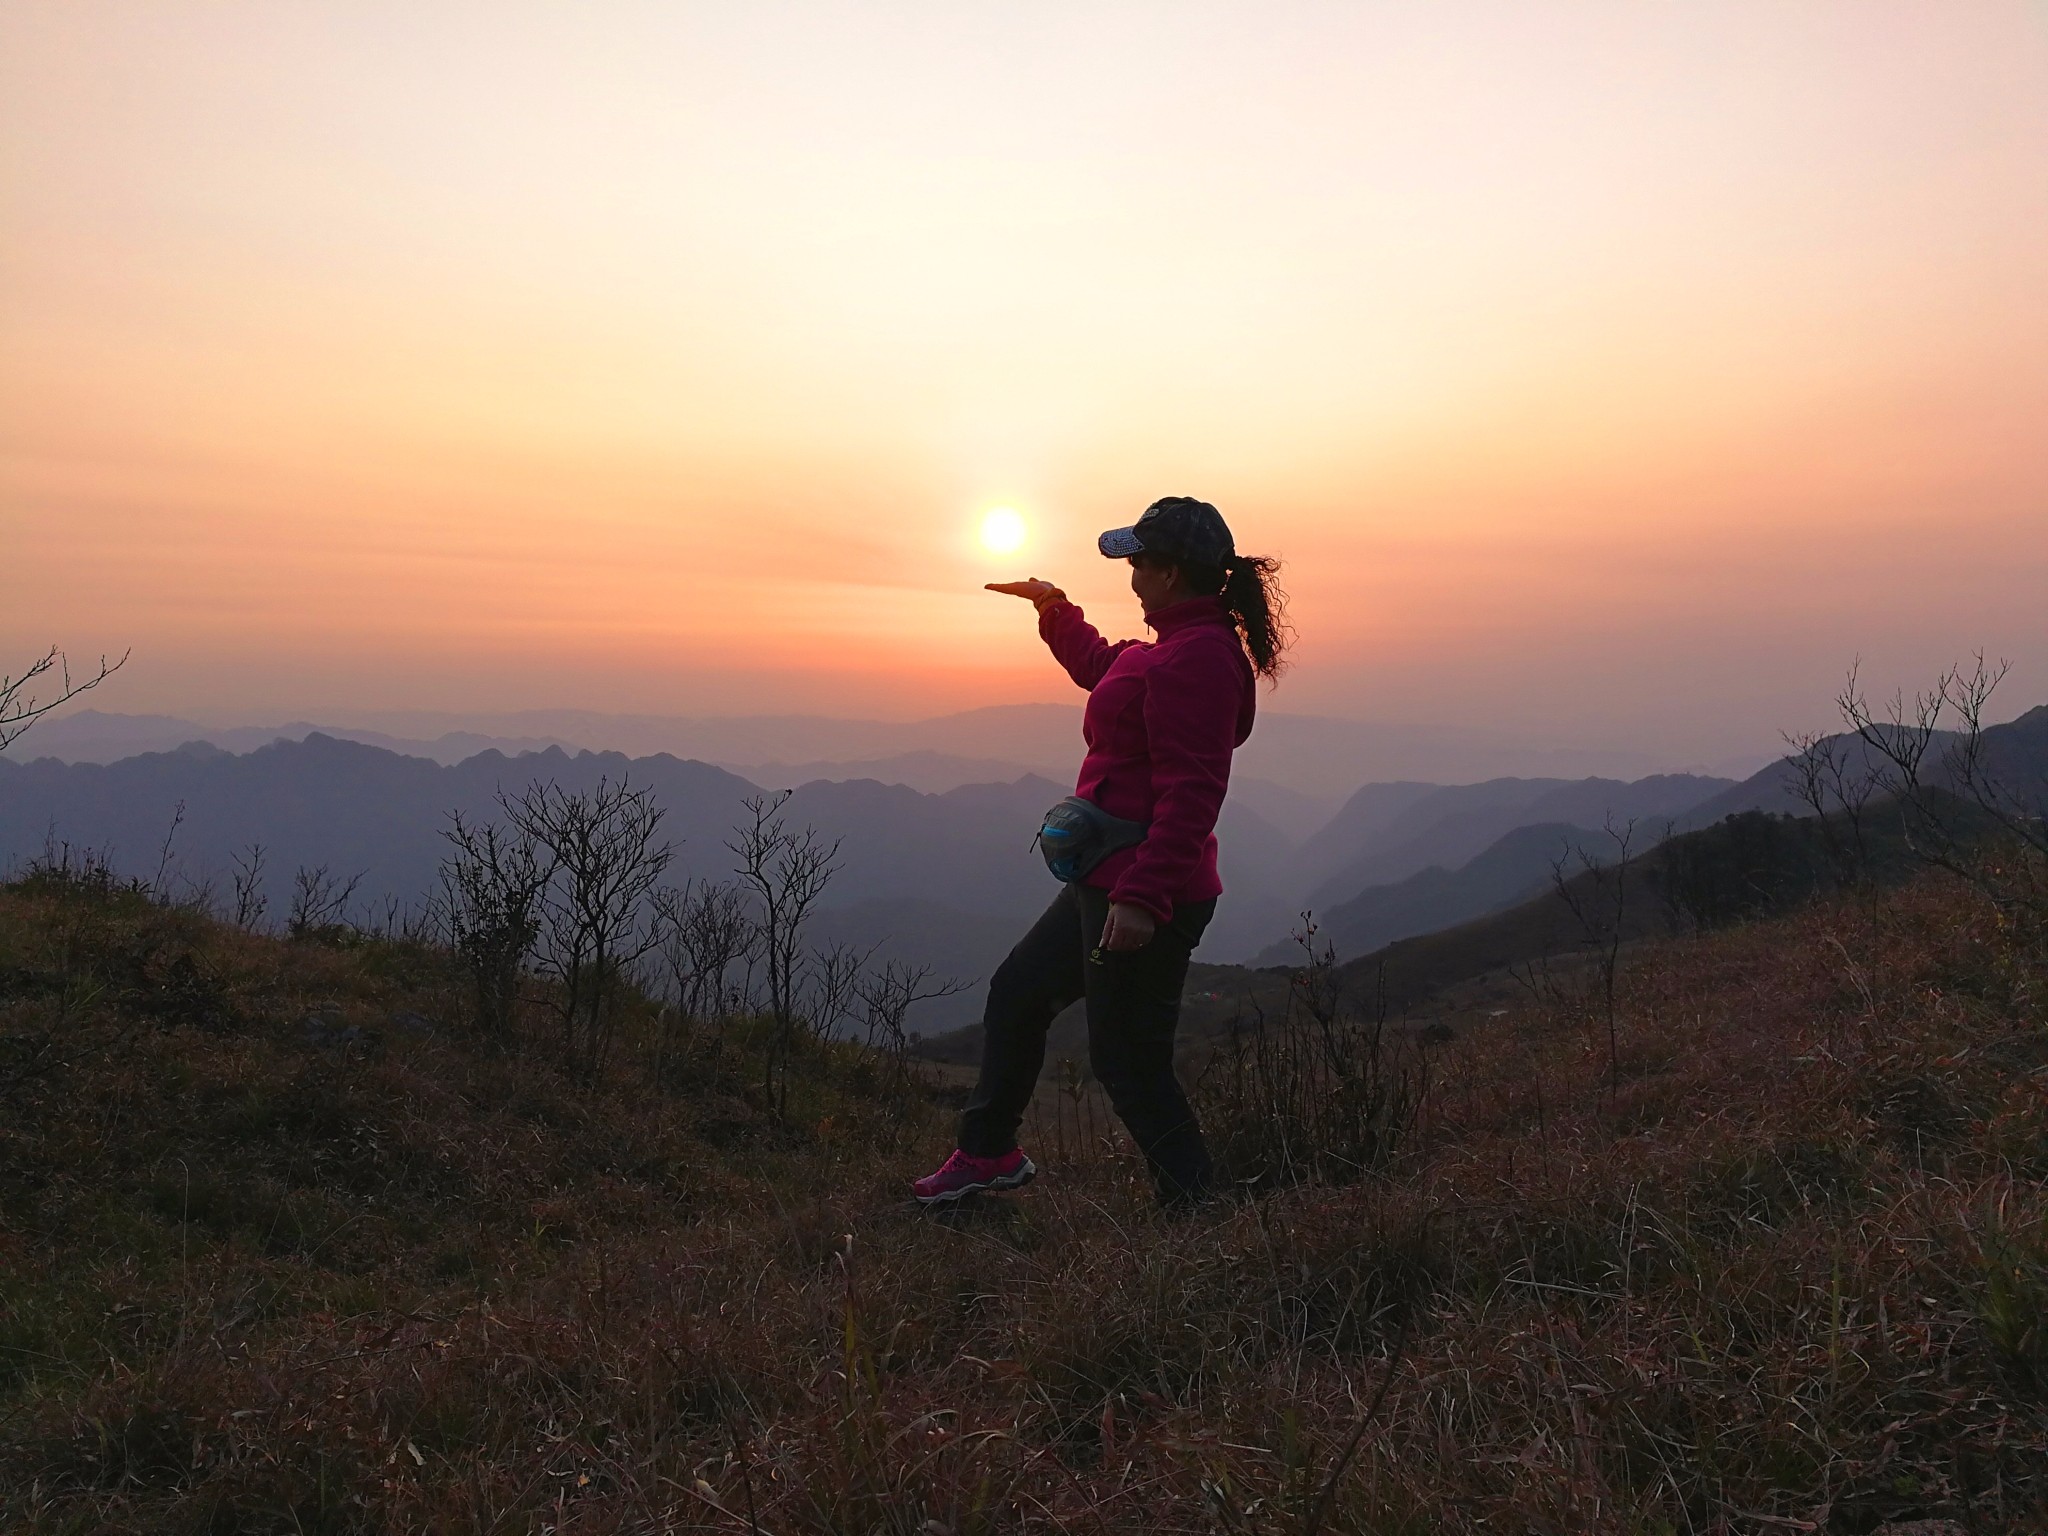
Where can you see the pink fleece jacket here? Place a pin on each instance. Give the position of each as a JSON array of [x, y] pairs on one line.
[[1163, 718]]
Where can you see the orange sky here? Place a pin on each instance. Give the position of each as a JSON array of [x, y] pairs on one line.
[[1601, 371]]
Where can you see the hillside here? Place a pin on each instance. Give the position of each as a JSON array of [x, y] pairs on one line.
[[1415, 838], [1512, 870], [1449, 825], [1748, 866], [2014, 753], [282, 1247]]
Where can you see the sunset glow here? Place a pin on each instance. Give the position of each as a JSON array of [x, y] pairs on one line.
[[1596, 369], [1002, 531]]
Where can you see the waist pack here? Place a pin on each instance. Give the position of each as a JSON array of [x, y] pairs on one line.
[[1077, 835]]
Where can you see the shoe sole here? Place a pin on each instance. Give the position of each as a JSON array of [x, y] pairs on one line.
[[1006, 1181]]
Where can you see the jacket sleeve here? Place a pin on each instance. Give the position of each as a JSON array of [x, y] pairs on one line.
[[1075, 643], [1191, 717]]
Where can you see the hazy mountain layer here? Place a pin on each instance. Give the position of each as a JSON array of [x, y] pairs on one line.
[[92, 736], [1389, 832], [1318, 757], [1514, 869], [947, 878], [2015, 754]]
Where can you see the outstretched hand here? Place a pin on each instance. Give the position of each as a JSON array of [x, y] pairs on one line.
[[1033, 591]]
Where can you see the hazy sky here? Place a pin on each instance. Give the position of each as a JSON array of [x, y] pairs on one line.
[[1608, 370]]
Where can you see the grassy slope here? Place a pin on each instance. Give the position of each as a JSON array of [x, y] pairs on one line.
[[1747, 865], [1785, 1256]]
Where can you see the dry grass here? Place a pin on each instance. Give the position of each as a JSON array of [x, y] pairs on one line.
[[1780, 1266]]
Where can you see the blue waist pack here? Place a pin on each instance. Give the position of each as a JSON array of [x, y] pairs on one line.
[[1077, 835]]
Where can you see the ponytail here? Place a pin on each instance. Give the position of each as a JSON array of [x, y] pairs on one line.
[[1257, 605], [1253, 596]]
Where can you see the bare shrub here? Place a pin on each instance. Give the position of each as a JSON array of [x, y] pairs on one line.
[[886, 996], [786, 869], [702, 931], [488, 906], [606, 857], [62, 869], [320, 902], [1325, 1091], [831, 984], [1963, 806], [246, 883], [1837, 779], [1597, 895], [705, 931]]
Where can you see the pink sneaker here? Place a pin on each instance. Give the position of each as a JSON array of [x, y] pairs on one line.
[[965, 1174]]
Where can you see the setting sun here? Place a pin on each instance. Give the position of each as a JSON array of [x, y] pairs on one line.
[[1002, 531]]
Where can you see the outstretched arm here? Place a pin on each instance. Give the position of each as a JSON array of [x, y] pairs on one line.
[[1075, 643]]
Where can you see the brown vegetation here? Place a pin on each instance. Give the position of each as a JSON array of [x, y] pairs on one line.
[[284, 1247]]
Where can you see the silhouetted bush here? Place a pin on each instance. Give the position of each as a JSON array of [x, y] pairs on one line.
[[1323, 1090]]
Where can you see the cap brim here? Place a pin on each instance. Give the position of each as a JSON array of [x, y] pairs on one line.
[[1121, 543]]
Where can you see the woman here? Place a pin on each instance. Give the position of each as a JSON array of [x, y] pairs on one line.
[[1162, 720]]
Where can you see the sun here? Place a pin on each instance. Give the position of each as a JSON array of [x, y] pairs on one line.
[[1002, 531]]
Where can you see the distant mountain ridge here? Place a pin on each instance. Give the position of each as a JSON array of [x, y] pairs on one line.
[[2016, 752], [1389, 832], [1319, 757], [940, 872], [93, 736], [947, 878], [1515, 868]]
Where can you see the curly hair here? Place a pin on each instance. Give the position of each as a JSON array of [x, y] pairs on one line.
[[1257, 604]]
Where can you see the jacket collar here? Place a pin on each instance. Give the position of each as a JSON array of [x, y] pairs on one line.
[[1196, 610]]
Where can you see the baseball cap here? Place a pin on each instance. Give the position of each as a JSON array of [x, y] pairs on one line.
[[1177, 528]]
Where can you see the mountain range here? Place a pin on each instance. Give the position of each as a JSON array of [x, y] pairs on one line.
[[943, 876], [947, 878], [1318, 758], [1407, 858], [938, 871]]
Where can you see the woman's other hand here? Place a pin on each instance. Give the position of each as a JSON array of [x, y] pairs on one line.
[[1037, 593], [1130, 926]]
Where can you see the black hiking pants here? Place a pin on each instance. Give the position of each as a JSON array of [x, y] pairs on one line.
[[1133, 1001]]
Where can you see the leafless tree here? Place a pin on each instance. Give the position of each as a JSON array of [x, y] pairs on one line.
[[247, 882], [160, 884], [390, 922], [21, 704], [1838, 778], [1597, 894], [705, 930], [488, 906], [831, 986], [886, 997], [1957, 802], [607, 857], [786, 869], [319, 901]]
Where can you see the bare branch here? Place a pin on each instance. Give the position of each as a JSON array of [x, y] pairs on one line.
[[787, 869], [20, 708], [595, 913]]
